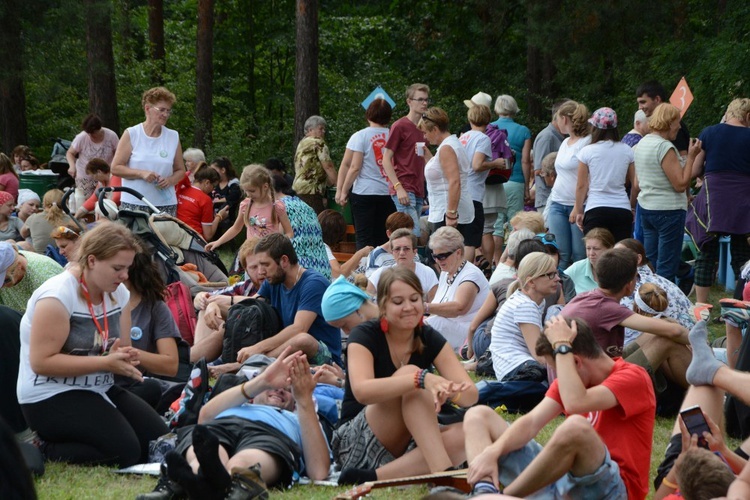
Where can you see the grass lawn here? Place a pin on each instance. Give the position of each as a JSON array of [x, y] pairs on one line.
[[63, 481]]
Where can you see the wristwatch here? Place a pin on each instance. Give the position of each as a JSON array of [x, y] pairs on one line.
[[452, 212], [563, 349]]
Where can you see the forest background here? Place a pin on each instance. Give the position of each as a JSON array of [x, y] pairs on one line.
[[231, 63]]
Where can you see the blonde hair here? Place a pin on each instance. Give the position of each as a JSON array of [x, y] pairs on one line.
[[434, 118], [416, 87], [663, 116], [654, 297], [479, 115], [532, 266], [51, 205], [157, 94], [533, 221], [739, 109], [256, 175], [578, 114], [548, 164], [246, 250]]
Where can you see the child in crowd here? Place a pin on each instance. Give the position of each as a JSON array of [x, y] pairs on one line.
[[28, 204], [10, 227], [99, 170], [260, 213], [194, 204], [333, 225]]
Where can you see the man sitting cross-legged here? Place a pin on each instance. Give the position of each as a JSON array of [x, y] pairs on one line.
[[250, 432], [604, 454]]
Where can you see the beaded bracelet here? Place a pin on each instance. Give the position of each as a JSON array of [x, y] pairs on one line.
[[422, 376], [416, 379]]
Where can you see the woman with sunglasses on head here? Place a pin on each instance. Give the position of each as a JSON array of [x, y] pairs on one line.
[[462, 288], [149, 156], [75, 337], [67, 239], [391, 397], [518, 323], [447, 176]]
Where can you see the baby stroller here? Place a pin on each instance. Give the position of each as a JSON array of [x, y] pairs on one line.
[[58, 163], [171, 242]]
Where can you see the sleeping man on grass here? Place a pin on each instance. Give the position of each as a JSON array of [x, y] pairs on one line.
[[255, 434]]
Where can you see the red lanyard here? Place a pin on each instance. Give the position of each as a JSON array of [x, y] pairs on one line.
[[103, 333]]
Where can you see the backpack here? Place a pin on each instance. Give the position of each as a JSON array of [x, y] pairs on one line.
[[248, 322], [180, 303], [500, 149], [195, 394]]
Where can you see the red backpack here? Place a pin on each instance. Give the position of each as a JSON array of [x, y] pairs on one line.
[[180, 303], [500, 149]]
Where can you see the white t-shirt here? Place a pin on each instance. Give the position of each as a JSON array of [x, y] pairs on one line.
[[501, 272], [83, 339], [508, 346], [437, 185], [88, 149], [425, 274], [370, 142], [608, 164], [566, 167], [155, 154], [455, 330], [477, 142]]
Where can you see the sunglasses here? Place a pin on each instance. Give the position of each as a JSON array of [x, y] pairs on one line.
[[427, 118], [546, 237], [64, 229], [442, 256]]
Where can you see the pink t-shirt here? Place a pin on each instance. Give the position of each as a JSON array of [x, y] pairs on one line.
[[260, 221], [88, 149], [603, 314], [10, 182]]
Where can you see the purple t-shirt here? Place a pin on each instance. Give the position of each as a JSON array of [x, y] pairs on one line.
[[604, 315]]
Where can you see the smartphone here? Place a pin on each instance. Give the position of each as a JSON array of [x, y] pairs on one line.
[[696, 424]]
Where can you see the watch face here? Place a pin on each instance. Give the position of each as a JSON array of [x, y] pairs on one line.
[[563, 349]]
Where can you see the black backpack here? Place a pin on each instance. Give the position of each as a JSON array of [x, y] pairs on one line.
[[248, 322]]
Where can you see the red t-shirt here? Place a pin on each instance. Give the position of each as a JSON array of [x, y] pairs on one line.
[[603, 314], [409, 167], [627, 429], [194, 207], [114, 181]]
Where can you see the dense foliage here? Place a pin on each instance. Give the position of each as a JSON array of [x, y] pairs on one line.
[[535, 50]]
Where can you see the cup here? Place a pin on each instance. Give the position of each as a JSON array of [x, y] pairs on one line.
[[420, 148]]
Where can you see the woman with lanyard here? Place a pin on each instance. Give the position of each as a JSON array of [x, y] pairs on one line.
[[462, 288], [71, 349]]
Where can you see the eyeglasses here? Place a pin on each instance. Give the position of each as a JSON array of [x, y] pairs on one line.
[[549, 237], [550, 275], [402, 249], [421, 99], [442, 256], [166, 111]]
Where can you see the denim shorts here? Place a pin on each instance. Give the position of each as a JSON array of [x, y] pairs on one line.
[[605, 482]]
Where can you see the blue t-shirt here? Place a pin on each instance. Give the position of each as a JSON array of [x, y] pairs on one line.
[[517, 135], [306, 295], [726, 148]]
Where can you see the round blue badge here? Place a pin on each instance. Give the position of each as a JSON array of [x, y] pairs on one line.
[[136, 333]]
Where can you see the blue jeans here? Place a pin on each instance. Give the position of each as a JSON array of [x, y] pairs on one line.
[[663, 232], [413, 209], [569, 238]]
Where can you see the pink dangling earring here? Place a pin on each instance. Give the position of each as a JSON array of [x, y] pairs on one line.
[[421, 321], [384, 324]]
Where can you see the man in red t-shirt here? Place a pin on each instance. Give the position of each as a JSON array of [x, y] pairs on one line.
[[403, 162], [662, 343], [601, 450], [194, 205]]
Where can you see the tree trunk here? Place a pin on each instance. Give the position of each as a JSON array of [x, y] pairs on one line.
[[306, 92], [204, 71], [12, 95], [156, 37], [101, 62]]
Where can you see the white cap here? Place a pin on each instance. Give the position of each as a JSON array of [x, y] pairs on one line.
[[478, 99]]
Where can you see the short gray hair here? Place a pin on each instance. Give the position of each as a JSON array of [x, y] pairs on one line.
[[194, 154], [446, 237], [515, 239], [313, 122], [505, 105], [640, 117]]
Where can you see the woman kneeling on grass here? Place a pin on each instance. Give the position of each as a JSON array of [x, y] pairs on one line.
[[74, 340], [391, 398]]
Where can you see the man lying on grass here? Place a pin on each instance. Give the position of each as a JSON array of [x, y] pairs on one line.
[[250, 432], [601, 450]]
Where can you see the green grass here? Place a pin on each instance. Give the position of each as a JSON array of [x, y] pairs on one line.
[[63, 482]]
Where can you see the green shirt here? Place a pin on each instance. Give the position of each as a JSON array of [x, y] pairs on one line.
[[39, 269]]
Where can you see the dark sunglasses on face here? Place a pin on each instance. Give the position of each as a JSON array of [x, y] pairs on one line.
[[442, 256]]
